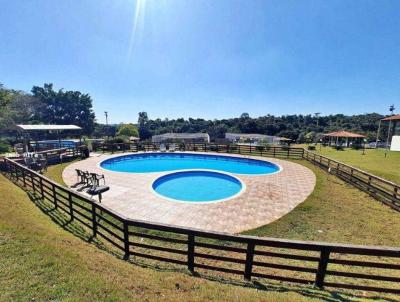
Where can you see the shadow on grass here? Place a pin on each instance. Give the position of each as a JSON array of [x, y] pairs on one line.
[[86, 235]]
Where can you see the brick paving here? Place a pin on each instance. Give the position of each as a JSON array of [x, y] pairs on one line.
[[265, 199]]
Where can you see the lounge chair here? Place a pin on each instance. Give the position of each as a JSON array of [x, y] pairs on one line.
[[96, 179], [96, 188], [172, 148], [163, 148]]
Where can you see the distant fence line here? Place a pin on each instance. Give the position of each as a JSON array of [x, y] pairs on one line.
[[379, 188], [333, 265]]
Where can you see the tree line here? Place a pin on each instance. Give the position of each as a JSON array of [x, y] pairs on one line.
[[298, 127], [46, 105]]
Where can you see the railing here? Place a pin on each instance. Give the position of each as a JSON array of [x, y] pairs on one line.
[[357, 267], [379, 188], [269, 151]]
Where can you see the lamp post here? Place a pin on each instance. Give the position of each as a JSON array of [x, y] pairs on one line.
[[364, 140], [106, 115]]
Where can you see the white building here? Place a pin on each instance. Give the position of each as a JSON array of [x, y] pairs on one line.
[[181, 137], [253, 138]]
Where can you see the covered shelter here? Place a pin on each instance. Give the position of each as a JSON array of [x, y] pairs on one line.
[[337, 138], [32, 132], [254, 138], [393, 132], [181, 138]]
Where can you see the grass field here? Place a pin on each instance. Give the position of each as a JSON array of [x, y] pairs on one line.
[[41, 261], [374, 161], [337, 212]]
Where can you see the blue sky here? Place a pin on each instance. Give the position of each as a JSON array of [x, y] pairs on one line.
[[207, 58]]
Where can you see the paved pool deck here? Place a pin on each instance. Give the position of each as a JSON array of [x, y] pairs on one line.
[[265, 199]]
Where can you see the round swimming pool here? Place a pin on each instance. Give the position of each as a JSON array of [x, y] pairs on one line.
[[197, 186], [161, 162]]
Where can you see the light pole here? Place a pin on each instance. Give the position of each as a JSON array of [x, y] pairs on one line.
[[106, 114]]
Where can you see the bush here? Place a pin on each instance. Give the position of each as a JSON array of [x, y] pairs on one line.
[[356, 146], [4, 146], [128, 130], [117, 140], [311, 148], [213, 148], [339, 147], [260, 148]]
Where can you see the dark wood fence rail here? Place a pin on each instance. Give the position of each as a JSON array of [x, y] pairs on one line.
[[381, 189], [358, 267], [269, 151]]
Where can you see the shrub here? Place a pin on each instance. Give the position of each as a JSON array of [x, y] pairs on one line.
[[311, 148], [356, 146], [4, 146]]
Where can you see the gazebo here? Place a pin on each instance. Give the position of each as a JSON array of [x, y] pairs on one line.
[[393, 135], [338, 136], [32, 130]]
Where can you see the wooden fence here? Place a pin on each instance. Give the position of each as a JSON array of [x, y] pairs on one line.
[[357, 267], [269, 151], [381, 189]]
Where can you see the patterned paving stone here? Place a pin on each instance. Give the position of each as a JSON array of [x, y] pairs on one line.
[[266, 198]]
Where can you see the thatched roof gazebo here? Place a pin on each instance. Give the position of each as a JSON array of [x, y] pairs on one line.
[[338, 136]]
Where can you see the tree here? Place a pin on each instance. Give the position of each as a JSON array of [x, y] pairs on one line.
[[65, 107], [128, 130], [5, 97], [143, 122]]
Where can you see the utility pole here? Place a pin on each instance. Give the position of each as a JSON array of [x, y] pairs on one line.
[[106, 114]]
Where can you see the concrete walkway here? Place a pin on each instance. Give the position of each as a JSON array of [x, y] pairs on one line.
[[266, 198]]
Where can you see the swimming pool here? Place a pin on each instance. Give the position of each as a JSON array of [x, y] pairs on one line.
[[197, 186], [161, 162]]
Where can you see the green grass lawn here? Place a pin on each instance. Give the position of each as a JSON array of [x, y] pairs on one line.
[[337, 212], [374, 161], [41, 261]]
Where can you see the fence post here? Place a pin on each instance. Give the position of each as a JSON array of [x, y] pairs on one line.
[[32, 180], [53, 189], [190, 259], [94, 221], [126, 240], [322, 266], [249, 261], [71, 209], [23, 177], [41, 187]]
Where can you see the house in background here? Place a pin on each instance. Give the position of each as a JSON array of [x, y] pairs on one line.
[[181, 138], [255, 139]]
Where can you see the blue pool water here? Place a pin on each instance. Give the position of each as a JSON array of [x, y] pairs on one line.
[[197, 186], [160, 162]]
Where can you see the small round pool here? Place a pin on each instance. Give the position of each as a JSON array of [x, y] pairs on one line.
[[197, 186], [161, 162]]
